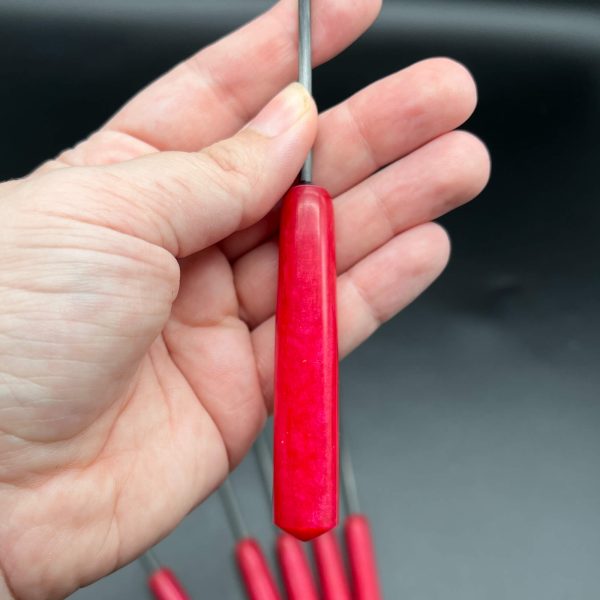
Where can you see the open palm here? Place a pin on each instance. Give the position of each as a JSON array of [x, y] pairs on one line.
[[139, 271]]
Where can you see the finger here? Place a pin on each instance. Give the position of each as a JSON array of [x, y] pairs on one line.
[[391, 118], [185, 202], [212, 349], [413, 106], [214, 93], [419, 188], [103, 147], [378, 125], [370, 293]]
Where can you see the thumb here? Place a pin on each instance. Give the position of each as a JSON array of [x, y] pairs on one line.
[[188, 201]]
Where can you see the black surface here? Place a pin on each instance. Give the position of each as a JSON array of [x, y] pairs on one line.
[[474, 415]]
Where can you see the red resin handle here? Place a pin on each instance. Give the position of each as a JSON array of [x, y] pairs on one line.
[[330, 564], [361, 554], [258, 581], [164, 586], [306, 371], [295, 569]]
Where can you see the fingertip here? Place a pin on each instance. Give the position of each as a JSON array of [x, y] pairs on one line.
[[463, 167], [368, 9], [452, 80], [290, 106], [311, 113], [277, 141], [477, 160], [427, 250], [440, 247], [338, 22]]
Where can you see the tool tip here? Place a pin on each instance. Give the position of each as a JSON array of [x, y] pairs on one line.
[[306, 534]]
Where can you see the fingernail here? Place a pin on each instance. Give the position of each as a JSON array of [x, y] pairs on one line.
[[282, 112]]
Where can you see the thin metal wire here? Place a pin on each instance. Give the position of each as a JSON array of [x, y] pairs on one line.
[[232, 510], [265, 464], [349, 483], [305, 68], [150, 562]]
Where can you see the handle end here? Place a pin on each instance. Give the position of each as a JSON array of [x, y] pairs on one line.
[[165, 586]]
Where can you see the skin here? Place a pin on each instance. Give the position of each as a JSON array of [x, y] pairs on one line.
[[138, 277]]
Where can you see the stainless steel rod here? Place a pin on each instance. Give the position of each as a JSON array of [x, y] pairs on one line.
[[349, 483], [265, 464], [150, 562], [232, 510], [305, 68]]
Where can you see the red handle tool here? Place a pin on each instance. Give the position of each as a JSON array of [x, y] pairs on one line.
[[259, 583], [255, 571], [361, 555], [306, 380], [296, 572], [162, 581], [164, 586], [306, 356], [332, 575], [359, 540], [295, 569]]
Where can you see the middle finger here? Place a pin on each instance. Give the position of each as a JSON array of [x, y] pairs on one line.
[[381, 123]]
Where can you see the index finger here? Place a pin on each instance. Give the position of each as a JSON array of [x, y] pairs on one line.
[[215, 92]]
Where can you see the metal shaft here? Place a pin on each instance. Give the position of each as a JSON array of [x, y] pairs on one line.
[[349, 483], [232, 510], [150, 562], [305, 68], [265, 464]]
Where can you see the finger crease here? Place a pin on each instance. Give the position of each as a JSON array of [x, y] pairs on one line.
[[382, 207], [376, 319], [363, 137]]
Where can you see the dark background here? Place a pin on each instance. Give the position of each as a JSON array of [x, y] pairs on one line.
[[474, 416]]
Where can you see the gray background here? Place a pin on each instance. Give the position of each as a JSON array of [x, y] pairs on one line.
[[473, 417]]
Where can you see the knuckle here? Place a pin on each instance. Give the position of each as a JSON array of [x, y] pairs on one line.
[[231, 166], [233, 170], [105, 147]]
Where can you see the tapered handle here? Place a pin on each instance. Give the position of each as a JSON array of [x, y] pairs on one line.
[[305, 490], [297, 576], [257, 577], [165, 586], [330, 565], [361, 555]]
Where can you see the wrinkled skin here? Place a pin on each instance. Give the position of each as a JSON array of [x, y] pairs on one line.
[[138, 277]]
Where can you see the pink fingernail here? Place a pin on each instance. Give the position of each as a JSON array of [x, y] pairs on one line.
[[282, 112]]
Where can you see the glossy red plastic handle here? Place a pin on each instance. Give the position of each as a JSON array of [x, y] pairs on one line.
[[164, 586], [306, 371], [361, 554], [255, 571], [297, 576], [332, 575]]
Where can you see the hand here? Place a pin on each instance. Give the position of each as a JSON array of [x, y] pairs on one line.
[[138, 278]]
